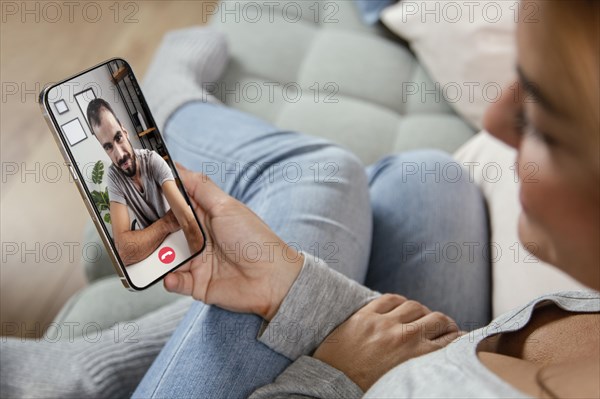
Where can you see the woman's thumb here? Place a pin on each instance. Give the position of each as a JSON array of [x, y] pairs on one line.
[[201, 188]]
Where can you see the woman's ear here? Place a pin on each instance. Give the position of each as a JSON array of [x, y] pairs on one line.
[[503, 119]]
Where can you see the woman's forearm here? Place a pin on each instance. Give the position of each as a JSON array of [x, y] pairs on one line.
[[318, 301]]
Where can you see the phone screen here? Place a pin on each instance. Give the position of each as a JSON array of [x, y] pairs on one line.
[[126, 170]]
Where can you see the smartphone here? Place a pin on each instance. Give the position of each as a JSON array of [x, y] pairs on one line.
[[124, 172]]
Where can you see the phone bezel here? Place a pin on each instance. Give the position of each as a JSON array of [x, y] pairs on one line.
[[72, 163]]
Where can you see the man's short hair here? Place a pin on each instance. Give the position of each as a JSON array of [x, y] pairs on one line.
[[95, 108]]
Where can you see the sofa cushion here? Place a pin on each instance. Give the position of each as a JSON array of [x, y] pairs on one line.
[[469, 48], [364, 67], [328, 74], [440, 131], [106, 302]]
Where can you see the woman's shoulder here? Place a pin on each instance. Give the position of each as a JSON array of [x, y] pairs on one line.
[[570, 301]]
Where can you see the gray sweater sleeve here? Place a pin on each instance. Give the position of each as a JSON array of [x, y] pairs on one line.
[[319, 300]]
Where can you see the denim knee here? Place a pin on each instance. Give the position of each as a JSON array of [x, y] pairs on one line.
[[337, 163], [429, 170], [425, 203]]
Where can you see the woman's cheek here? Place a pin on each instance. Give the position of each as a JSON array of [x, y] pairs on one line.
[[540, 196]]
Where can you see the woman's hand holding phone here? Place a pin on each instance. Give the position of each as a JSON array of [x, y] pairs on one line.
[[246, 267], [384, 333]]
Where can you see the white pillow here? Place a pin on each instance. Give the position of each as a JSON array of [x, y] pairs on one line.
[[467, 47], [517, 277]]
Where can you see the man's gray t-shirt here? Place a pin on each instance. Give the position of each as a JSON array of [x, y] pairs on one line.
[[147, 206]]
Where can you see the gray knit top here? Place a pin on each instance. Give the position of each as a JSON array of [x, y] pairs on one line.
[[321, 298]]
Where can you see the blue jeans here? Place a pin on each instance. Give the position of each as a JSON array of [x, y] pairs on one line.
[[398, 226]]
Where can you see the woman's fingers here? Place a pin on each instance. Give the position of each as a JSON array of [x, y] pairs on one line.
[[383, 304], [437, 324], [180, 282], [202, 189], [198, 210], [447, 338], [409, 311]]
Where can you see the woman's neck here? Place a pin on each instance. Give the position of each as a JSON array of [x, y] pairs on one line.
[[547, 349]]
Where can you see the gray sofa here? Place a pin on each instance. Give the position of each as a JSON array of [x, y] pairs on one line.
[[332, 76]]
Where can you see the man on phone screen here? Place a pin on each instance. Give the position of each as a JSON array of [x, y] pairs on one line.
[[137, 179]]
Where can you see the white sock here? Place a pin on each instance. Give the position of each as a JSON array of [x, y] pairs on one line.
[[185, 60]]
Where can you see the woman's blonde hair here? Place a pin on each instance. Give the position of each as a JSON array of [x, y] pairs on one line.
[[573, 31]]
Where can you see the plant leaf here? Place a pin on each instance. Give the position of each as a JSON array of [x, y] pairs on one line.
[[98, 172], [105, 197], [96, 197]]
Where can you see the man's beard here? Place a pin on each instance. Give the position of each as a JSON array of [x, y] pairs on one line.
[[129, 171]]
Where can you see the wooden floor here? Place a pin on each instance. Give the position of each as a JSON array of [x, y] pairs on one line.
[[42, 215]]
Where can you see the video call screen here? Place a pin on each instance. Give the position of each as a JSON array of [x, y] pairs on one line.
[[126, 170]]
